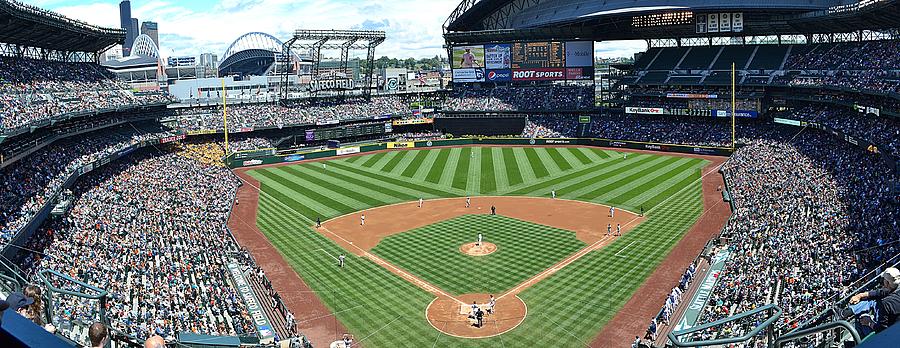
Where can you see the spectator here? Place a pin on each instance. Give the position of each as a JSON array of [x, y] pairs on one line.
[[885, 302], [99, 335]]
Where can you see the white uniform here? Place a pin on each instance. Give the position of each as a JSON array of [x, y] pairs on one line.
[[420, 202], [553, 193], [341, 260], [468, 202], [362, 219], [480, 238]]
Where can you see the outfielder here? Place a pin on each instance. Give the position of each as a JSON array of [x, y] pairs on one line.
[[341, 260]]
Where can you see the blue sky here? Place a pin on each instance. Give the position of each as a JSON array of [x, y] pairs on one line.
[[191, 27]]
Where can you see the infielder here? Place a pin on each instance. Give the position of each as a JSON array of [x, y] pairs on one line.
[[480, 238], [318, 222], [420, 202], [618, 229], [608, 229], [553, 194], [362, 219], [468, 202], [341, 261]]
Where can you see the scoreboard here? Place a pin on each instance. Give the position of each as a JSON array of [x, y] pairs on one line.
[[530, 55], [349, 131], [523, 61]]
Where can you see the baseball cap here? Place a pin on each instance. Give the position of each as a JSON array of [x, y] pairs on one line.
[[892, 275], [18, 300]]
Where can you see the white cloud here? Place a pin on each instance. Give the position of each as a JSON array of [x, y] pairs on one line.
[[413, 27]]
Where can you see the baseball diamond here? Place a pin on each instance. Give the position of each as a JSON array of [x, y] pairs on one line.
[[406, 256]]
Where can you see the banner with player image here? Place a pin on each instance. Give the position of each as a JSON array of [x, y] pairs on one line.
[[468, 57]]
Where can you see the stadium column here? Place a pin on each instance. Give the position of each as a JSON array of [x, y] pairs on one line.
[[225, 114]]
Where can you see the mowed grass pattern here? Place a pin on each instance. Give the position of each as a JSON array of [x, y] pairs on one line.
[[432, 252], [565, 310]]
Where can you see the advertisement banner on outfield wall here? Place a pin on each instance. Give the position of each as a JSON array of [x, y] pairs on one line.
[[347, 151], [643, 110], [401, 145]]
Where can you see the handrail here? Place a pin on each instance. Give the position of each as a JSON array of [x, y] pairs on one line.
[[102, 295], [674, 336], [780, 341]]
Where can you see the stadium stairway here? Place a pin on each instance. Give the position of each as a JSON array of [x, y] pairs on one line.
[[278, 319]]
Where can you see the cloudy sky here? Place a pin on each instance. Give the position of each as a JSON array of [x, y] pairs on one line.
[[191, 27]]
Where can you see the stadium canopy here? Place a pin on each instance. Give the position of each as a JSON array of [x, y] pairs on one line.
[[29, 26], [506, 20]]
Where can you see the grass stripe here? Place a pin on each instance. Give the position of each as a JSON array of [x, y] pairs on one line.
[[399, 155], [488, 180], [512, 167], [437, 167], [558, 159], [395, 181], [414, 165], [461, 175], [373, 159], [540, 170]]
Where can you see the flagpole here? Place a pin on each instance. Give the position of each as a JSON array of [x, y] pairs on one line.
[[225, 115]]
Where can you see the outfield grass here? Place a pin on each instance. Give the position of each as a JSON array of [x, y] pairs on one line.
[[565, 310], [432, 252]]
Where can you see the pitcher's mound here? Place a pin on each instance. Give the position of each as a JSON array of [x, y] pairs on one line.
[[473, 249], [452, 317]]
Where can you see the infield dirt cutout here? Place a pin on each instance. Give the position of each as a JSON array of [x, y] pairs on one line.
[[474, 249], [588, 220]]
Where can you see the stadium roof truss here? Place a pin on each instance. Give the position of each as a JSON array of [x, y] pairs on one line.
[[251, 47], [33, 32], [516, 20], [344, 40]]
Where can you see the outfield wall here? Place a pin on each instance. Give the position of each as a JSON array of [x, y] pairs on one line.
[[244, 161]]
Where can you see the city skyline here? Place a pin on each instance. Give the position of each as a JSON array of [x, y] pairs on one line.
[[208, 26]]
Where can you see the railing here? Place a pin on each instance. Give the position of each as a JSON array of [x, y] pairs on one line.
[[796, 335], [675, 337]]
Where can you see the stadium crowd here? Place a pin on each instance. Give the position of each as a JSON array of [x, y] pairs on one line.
[[884, 131], [26, 186], [150, 229], [243, 117], [857, 65], [33, 90], [521, 98], [813, 216]]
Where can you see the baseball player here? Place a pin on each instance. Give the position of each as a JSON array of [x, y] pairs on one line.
[[625, 156], [474, 307], [480, 238], [362, 219], [318, 222], [491, 303], [642, 210], [323, 166], [612, 211], [420, 202], [493, 210], [618, 229], [341, 261], [608, 229], [553, 194], [468, 202]]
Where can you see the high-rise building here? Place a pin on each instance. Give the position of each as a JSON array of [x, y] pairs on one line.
[[151, 29], [134, 29], [209, 60], [125, 23]]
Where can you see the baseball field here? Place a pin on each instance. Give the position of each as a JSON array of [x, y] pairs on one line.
[[558, 275]]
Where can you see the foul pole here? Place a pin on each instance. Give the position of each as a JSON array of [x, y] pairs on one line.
[[733, 89], [225, 114]]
